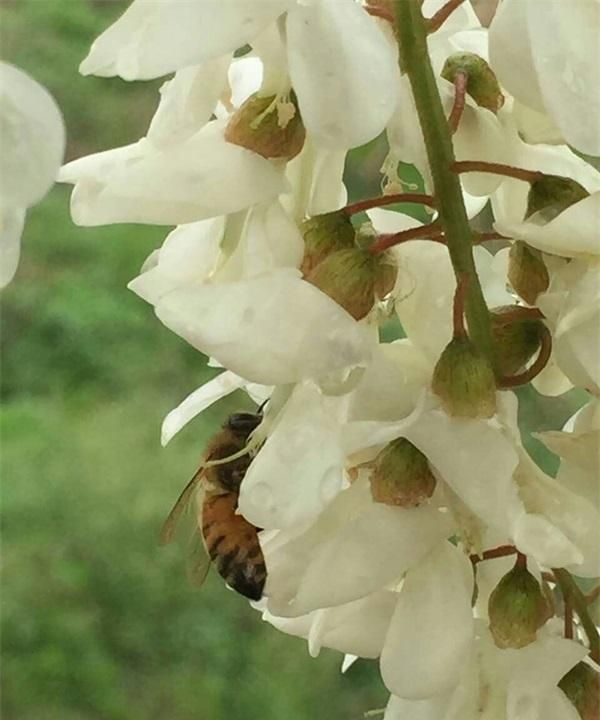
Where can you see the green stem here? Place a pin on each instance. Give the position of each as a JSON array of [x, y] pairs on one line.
[[411, 32], [570, 590]]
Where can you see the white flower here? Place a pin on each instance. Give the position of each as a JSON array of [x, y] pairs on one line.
[[545, 54], [200, 177], [32, 136]]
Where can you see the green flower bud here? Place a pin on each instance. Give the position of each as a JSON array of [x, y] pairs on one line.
[[517, 608], [552, 194], [582, 686], [527, 272], [464, 380], [482, 84], [323, 235], [517, 337], [401, 475], [260, 126], [350, 277]]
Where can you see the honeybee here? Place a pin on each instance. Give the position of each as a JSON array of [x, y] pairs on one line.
[[228, 539]]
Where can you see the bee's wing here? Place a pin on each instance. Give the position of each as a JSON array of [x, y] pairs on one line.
[[167, 532], [198, 559]]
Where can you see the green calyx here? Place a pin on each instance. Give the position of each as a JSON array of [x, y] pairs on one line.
[[482, 84], [552, 194], [401, 475], [582, 686], [464, 380], [258, 125], [517, 337], [517, 608], [527, 272], [323, 235], [353, 277]]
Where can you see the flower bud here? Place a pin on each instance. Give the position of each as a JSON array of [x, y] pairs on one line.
[[527, 272], [582, 686], [323, 235], [517, 608], [261, 126], [517, 337], [401, 475], [482, 84], [352, 277], [464, 380], [552, 194]]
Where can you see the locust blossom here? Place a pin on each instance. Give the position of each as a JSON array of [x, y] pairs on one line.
[[32, 138], [401, 517]]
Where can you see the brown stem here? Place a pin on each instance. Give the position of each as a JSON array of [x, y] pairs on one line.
[[465, 166], [384, 200], [485, 236], [532, 372], [500, 551], [458, 307], [568, 617], [436, 21], [380, 12], [517, 313], [460, 97], [569, 588], [384, 242], [521, 561]]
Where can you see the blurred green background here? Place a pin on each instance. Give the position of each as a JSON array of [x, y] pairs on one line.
[[98, 620]]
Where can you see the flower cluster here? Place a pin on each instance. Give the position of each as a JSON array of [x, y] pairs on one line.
[[401, 517]]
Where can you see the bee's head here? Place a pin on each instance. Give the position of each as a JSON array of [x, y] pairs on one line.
[[243, 423]]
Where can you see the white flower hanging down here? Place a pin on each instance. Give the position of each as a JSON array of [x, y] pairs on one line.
[[386, 486]]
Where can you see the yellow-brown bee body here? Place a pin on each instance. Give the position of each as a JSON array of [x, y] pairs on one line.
[[230, 540]]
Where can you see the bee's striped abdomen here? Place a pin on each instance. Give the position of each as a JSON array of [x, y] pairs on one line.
[[232, 543]]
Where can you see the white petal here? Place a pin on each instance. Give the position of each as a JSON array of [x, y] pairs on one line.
[[357, 628], [187, 101], [564, 47], [299, 469], [476, 459], [431, 632], [207, 394], [11, 227], [345, 99], [152, 38], [391, 384], [537, 669], [188, 256], [511, 53], [316, 184], [202, 177], [273, 329], [370, 551], [536, 536], [32, 137], [269, 240]]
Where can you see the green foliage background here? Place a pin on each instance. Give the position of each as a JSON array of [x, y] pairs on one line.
[[98, 621]]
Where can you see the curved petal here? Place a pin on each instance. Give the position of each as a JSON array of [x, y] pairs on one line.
[[189, 181], [431, 632], [344, 71], [299, 469], [32, 137], [188, 101], [203, 397], [153, 38], [11, 228], [272, 329], [564, 48]]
